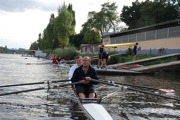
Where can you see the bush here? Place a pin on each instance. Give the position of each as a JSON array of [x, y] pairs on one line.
[[68, 53], [129, 51], [113, 60]]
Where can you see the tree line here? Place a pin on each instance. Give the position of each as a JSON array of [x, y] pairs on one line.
[[60, 31]]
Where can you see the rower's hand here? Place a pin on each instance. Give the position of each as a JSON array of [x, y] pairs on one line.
[[88, 78], [85, 81]]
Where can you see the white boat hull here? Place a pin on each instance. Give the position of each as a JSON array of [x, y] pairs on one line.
[[97, 111]]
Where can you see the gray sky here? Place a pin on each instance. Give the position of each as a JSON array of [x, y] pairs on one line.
[[22, 5], [22, 20]]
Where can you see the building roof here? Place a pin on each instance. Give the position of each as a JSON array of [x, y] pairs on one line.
[[146, 28]]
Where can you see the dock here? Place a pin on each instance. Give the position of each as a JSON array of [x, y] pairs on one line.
[[110, 71], [115, 69], [148, 59], [158, 67]]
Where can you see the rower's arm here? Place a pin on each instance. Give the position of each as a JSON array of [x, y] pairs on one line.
[[94, 76], [75, 77]]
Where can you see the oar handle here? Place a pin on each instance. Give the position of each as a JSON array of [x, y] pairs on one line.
[[111, 84], [63, 85]]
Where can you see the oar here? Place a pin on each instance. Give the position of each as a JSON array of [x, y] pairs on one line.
[[132, 85], [142, 91], [41, 88], [146, 87], [35, 83], [29, 90]]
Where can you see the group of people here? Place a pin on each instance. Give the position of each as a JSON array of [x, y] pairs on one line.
[[56, 60], [103, 57], [83, 72]]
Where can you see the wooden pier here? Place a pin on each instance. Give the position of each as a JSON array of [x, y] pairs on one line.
[[136, 70], [148, 59], [117, 72], [158, 67]]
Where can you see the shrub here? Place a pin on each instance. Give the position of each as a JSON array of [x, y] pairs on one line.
[[113, 60], [68, 53], [129, 51]]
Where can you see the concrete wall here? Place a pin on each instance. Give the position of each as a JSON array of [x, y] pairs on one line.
[[168, 43]]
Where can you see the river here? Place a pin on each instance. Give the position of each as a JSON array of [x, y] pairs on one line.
[[54, 104]]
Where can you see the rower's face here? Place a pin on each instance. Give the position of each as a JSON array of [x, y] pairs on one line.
[[79, 61], [86, 61]]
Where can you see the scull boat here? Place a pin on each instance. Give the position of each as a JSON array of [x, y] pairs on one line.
[[92, 108]]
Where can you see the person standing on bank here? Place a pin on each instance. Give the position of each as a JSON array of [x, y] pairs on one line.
[[105, 58], [78, 64], [135, 51], [101, 50], [84, 74]]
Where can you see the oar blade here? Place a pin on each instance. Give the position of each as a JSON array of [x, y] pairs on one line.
[[167, 90]]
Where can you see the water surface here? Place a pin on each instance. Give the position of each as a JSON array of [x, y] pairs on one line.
[[55, 103]]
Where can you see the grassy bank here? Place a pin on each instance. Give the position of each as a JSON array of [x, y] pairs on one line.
[[70, 53]]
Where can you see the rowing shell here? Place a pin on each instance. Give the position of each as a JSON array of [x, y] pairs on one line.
[[97, 111], [93, 109]]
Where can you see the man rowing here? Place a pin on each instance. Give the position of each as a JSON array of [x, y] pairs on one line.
[[78, 64], [84, 74]]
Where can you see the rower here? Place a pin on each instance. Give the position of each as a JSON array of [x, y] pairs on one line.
[[85, 73], [78, 64]]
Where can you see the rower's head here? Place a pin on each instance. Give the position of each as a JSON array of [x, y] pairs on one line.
[[79, 60], [86, 61]]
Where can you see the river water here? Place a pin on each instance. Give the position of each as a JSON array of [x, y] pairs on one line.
[[54, 104]]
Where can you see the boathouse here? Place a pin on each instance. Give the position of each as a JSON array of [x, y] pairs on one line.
[[162, 38]]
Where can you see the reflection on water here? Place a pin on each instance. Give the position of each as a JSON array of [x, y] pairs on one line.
[[55, 104], [168, 75], [135, 106]]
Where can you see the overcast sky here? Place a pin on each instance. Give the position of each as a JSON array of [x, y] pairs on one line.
[[22, 20]]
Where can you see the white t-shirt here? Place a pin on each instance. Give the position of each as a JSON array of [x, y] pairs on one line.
[[72, 69]]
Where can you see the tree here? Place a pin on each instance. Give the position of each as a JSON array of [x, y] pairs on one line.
[[90, 35], [131, 15], [110, 11], [104, 20], [141, 14], [34, 46], [76, 40], [58, 30], [49, 35], [63, 25], [70, 9]]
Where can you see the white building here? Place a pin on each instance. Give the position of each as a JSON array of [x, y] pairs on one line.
[[39, 53]]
